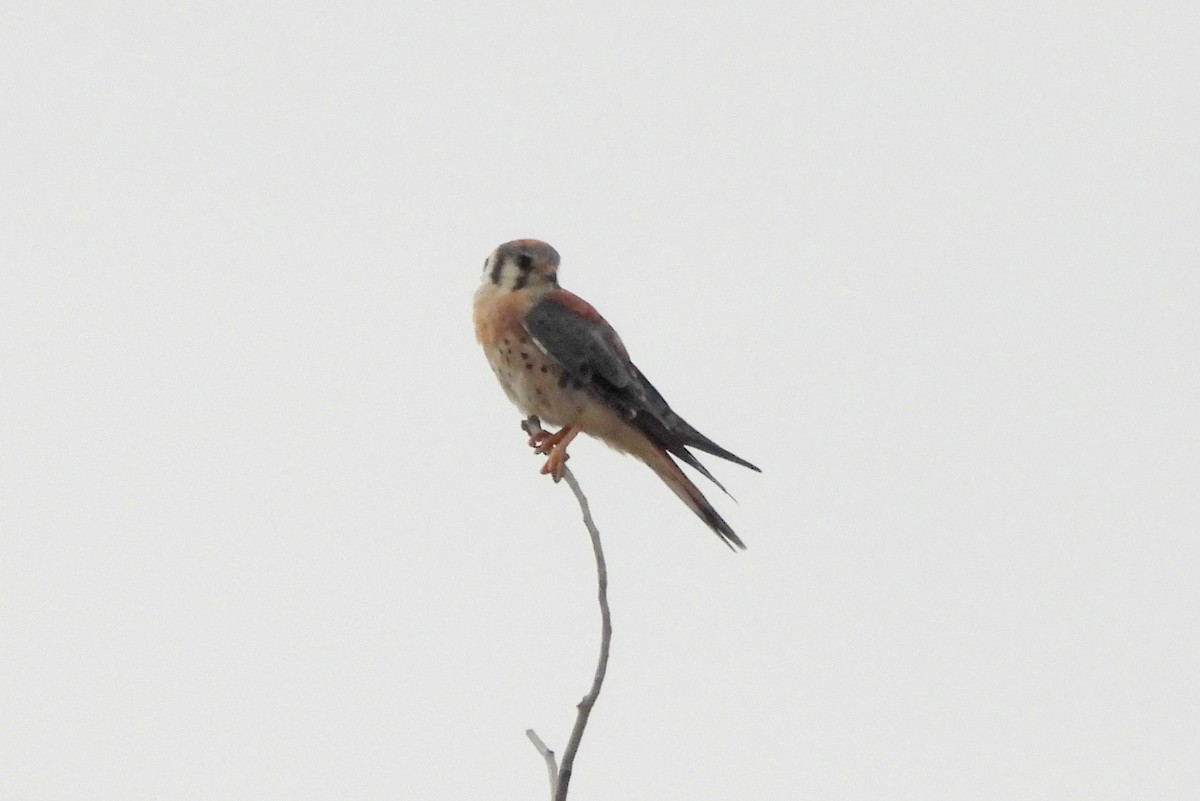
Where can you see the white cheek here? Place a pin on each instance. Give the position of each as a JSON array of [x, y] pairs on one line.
[[509, 275], [507, 280]]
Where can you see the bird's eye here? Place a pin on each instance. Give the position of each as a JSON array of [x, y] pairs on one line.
[[524, 262]]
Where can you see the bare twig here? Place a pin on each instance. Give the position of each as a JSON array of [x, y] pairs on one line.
[[589, 700], [548, 755], [560, 779]]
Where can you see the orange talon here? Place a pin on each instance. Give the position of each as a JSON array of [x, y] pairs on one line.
[[544, 442], [537, 438], [556, 463]]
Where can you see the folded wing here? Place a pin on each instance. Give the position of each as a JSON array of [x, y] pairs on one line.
[[574, 334]]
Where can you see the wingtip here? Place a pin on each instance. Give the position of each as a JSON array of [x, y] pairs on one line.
[[747, 465], [702, 443], [732, 541]]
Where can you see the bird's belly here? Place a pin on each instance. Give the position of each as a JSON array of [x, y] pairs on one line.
[[536, 385]]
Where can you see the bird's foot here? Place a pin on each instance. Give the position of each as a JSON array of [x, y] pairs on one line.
[[544, 442], [533, 427], [555, 446]]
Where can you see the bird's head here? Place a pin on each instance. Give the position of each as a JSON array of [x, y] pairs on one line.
[[521, 264]]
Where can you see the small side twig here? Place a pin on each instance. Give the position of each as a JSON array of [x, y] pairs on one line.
[[560, 777], [548, 755]]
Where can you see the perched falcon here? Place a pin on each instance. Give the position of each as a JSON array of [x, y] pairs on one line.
[[558, 360]]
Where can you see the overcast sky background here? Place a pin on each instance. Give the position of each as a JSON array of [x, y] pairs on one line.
[[268, 528]]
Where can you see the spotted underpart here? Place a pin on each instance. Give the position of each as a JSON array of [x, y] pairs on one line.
[[535, 383]]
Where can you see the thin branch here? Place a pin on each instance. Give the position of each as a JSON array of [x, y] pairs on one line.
[[548, 755], [589, 700], [560, 783]]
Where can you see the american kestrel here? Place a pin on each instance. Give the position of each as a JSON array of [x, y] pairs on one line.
[[560, 361]]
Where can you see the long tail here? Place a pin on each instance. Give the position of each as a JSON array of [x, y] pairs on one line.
[[665, 468]]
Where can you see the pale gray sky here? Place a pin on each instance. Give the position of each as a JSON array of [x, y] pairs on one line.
[[269, 530]]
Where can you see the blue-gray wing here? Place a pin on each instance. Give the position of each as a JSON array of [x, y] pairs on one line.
[[568, 329], [574, 334]]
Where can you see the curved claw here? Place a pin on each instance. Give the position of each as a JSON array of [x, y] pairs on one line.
[[537, 439], [545, 442], [556, 464], [555, 447]]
